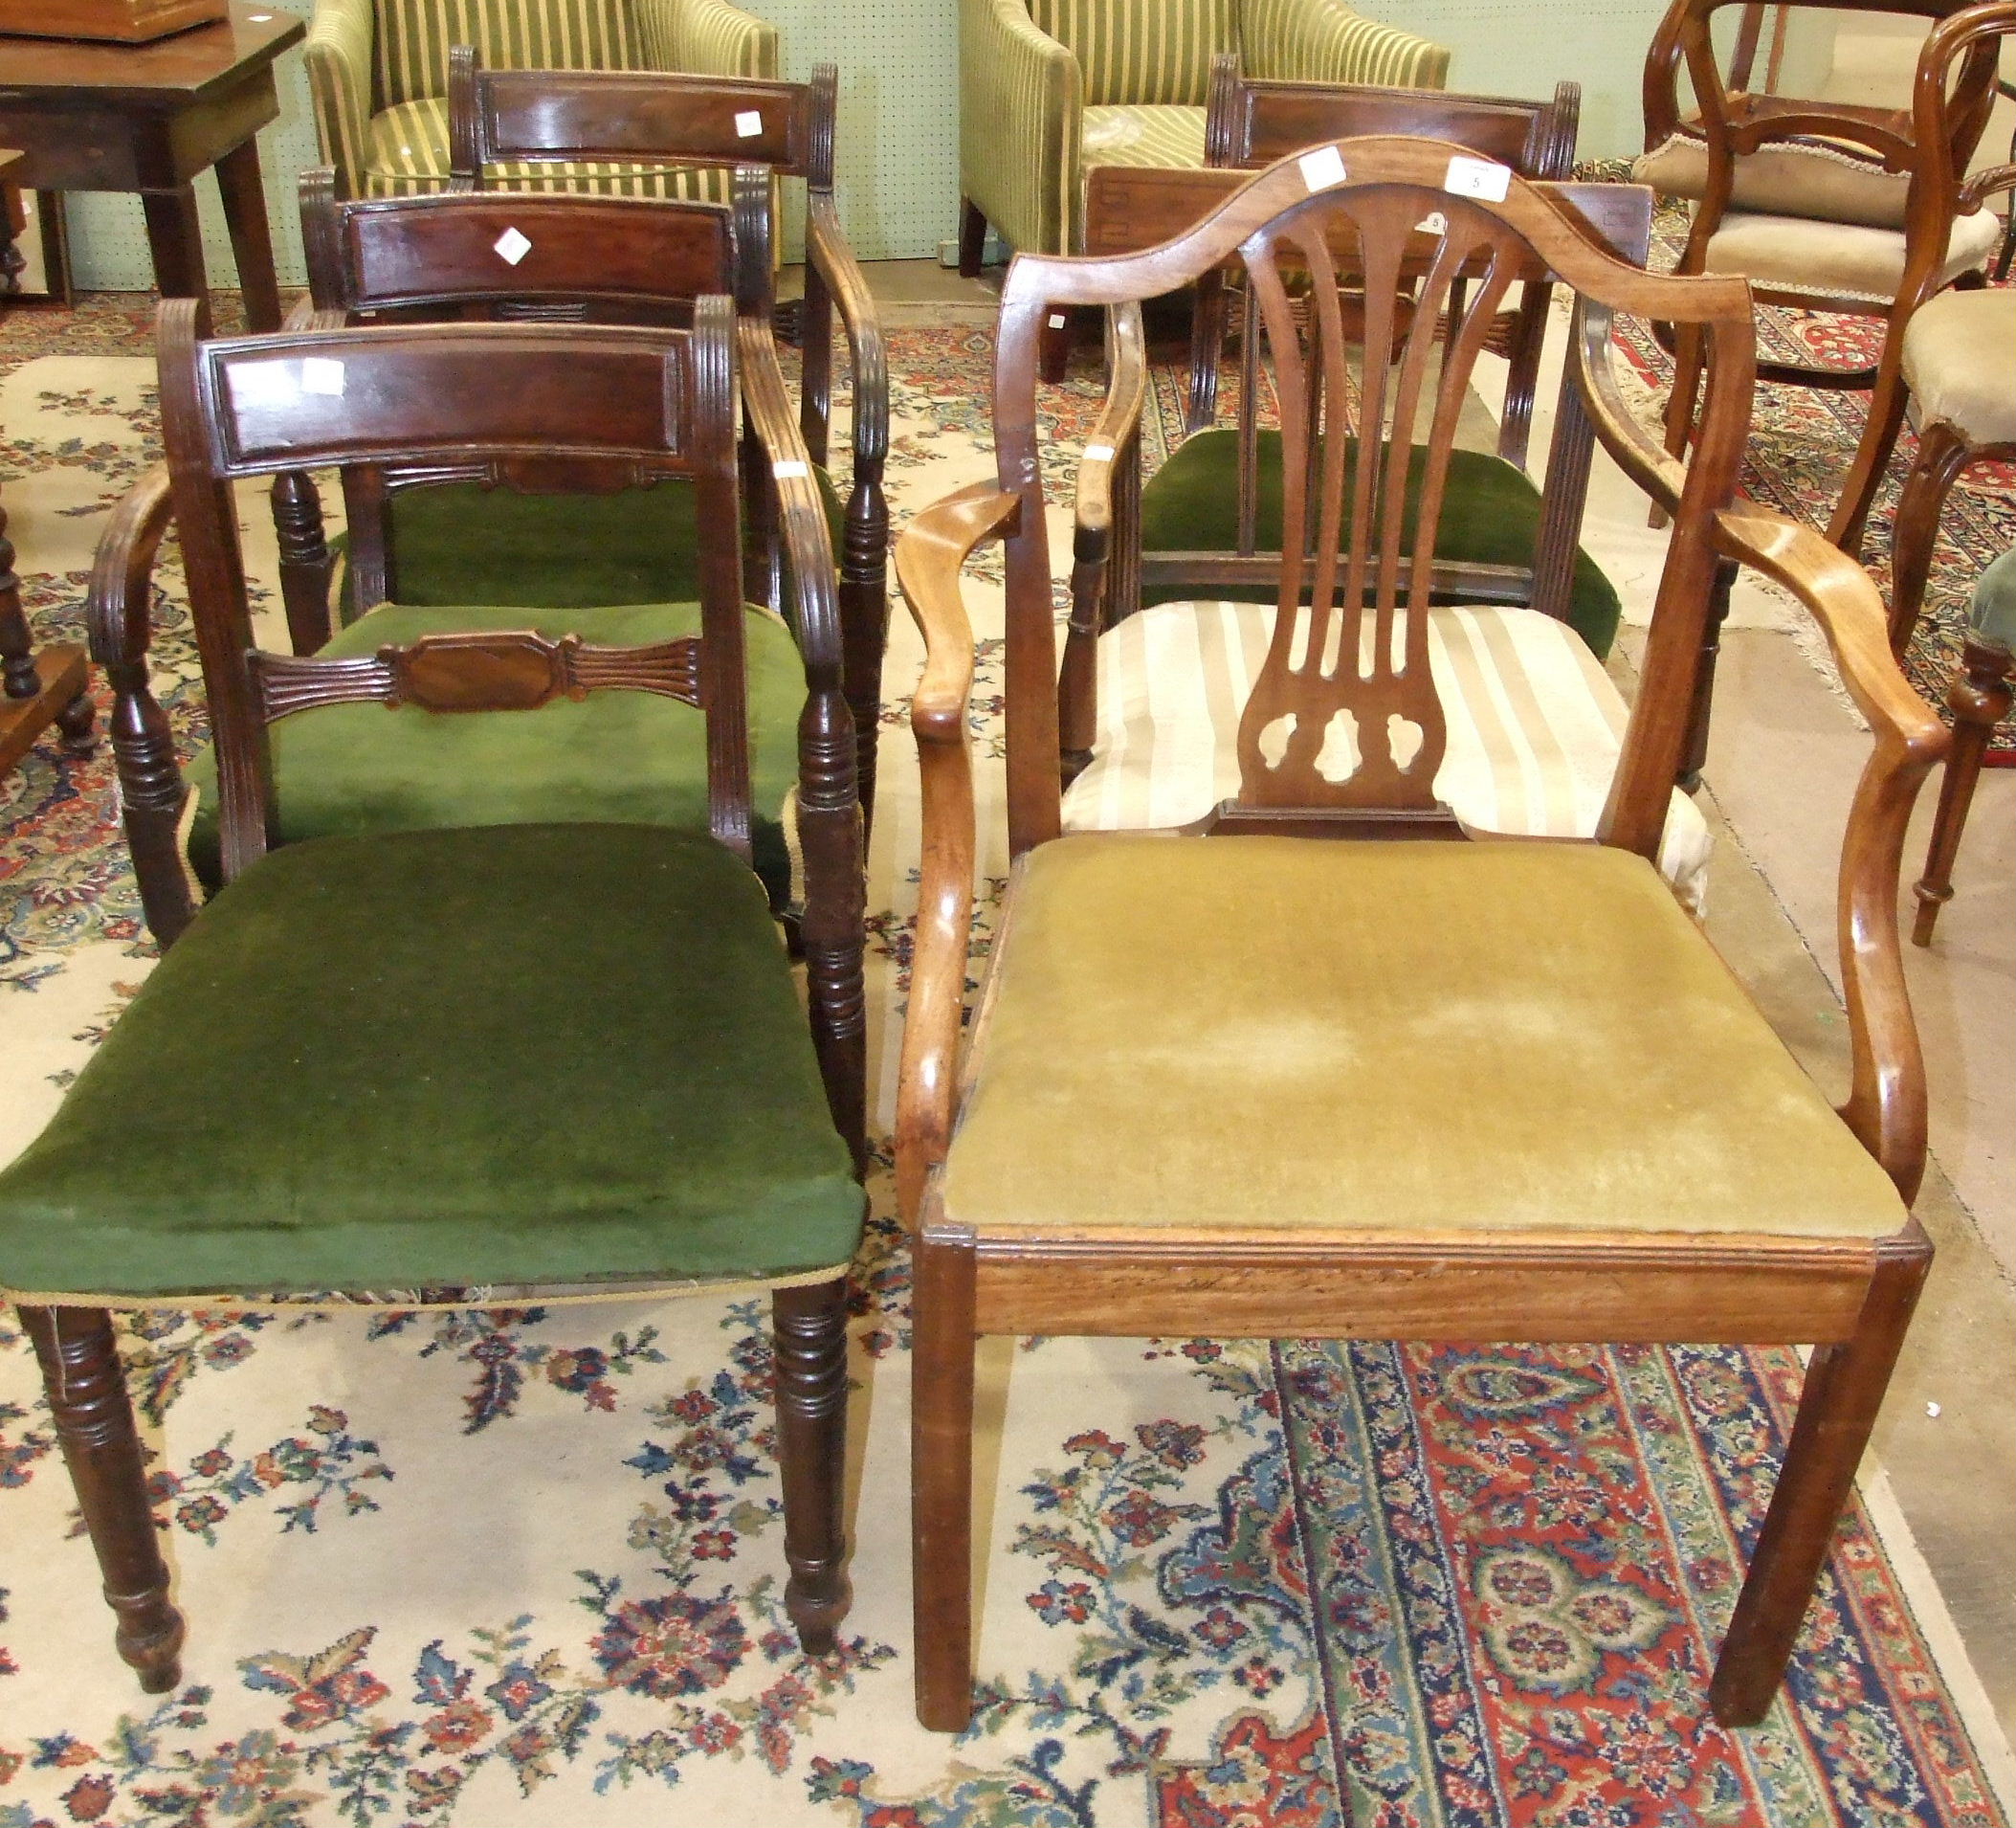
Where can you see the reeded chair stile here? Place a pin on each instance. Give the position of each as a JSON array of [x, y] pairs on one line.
[[1317, 1077]]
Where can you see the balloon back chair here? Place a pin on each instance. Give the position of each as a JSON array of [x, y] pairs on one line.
[[559, 1055], [1329, 1064]]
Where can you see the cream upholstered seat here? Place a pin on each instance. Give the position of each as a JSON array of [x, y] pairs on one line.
[[1159, 1005], [1959, 363], [1821, 179], [1534, 725], [1840, 259]]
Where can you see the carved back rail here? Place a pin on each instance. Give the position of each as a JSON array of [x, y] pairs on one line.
[[1344, 722]]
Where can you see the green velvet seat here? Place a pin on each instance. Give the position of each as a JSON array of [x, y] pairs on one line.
[[1491, 514], [1992, 608], [624, 757], [461, 542], [512, 1053]]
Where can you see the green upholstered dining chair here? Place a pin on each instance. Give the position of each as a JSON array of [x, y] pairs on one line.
[[561, 1057], [1980, 699], [1824, 206], [378, 77], [1051, 90], [1310, 1071], [1150, 708], [340, 770]]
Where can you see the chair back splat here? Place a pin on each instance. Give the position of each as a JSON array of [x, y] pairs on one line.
[[1343, 721]]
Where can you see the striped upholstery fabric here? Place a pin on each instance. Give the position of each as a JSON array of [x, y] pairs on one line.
[[406, 155], [1141, 51], [1324, 42], [411, 54], [1167, 136], [1534, 725]]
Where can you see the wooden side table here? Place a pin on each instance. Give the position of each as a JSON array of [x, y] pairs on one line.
[[148, 118], [35, 690]]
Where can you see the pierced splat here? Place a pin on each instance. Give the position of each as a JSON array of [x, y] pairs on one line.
[[1344, 713]]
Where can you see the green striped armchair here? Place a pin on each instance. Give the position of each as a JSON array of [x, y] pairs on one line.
[[1050, 88], [378, 72]]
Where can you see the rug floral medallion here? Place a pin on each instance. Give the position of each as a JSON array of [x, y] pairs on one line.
[[525, 1564]]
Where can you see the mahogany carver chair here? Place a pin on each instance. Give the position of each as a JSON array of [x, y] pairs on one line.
[[1149, 713], [623, 760], [1824, 206], [560, 1057], [1304, 1071]]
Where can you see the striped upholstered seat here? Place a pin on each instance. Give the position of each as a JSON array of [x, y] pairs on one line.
[[1050, 88], [378, 72]]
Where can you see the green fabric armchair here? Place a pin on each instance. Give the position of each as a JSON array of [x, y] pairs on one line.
[[1050, 88], [378, 73]]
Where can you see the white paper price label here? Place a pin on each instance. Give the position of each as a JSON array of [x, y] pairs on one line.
[[264, 384], [511, 247], [320, 374], [1484, 178], [1056, 319], [748, 124], [1433, 223], [1323, 168], [783, 472], [1099, 453]]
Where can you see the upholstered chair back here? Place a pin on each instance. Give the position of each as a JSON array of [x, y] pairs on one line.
[[1142, 52], [410, 49]]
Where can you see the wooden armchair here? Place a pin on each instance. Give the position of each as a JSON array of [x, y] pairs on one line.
[[378, 78], [1824, 206], [1317, 1074], [562, 1055], [1149, 721]]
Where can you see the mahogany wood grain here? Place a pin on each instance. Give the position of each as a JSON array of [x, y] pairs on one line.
[[809, 1325], [1850, 1295], [1979, 698], [106, 21]]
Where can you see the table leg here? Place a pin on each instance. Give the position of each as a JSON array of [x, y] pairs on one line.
[[175, 238], [39, 691], [250, 238]]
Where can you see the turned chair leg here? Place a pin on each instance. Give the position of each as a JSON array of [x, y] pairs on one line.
[[1943, 455], [1844, 1390], [1979, 700], [972, 238], [305, 560], [93, 1418], [941, 1479], [810, 1327]]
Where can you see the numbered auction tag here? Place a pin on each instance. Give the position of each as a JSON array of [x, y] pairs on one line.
[[1484, 178], [791, 467], [1323, 168], [1433, 223], [321, 375], [511, 247], [1056, 319], [748, 124]]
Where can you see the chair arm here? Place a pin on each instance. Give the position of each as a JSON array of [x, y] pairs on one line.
[[1661, 474], [1022, 101], [826, 247], [339, 60], [707, 37], [1325, 41], [1982, 185], [1119, 420], [929, 559], [1886, 1103], [150, 785]]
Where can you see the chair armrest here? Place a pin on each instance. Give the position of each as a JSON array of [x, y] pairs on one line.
[[707, 37], [1983, 184], [1661, 474], [828, 250], [1886, 1103], [1325, 41], [339, 60], [1022, 101], [150, 785], [929, 558]]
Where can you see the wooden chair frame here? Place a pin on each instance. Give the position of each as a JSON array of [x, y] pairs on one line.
[[1932, 140], [664, 398], [568, 116], [1851, 1296]]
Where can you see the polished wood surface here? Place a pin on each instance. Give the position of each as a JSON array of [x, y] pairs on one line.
[[148, 119], [1853, 1295], [114, 21]]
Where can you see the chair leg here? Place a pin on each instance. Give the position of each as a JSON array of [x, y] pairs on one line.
[[1681, 404], [810, 1327], [972, 238], [305, 564], [1695, 757], [1979, 700], [1879, 439], [1053, 348], [864, 619], [93, 1418], [1943, 455], [942, 1477], [1844, 1390]]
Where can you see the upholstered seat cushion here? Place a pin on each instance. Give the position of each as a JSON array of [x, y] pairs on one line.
[[406, 154], [1837, 258], [1256, 1032], [1814, 178], [1960, 362], [1992, 608], [462, 543], [1141, 135], [627, 757], [1491, 514], [518, 1053], [1535, 726]]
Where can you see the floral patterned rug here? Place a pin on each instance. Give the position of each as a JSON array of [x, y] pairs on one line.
[[524, 1565]]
